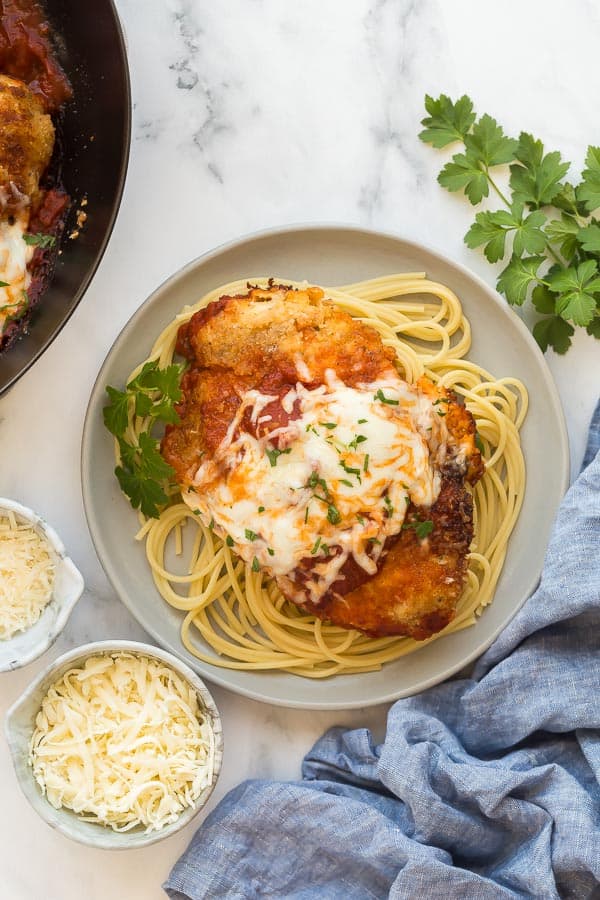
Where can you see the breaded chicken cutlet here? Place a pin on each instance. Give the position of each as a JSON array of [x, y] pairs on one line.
[[302, 447]]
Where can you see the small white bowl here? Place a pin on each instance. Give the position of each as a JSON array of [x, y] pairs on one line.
[[25, 646], [20, 725]]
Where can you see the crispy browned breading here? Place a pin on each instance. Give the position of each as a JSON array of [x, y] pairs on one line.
[[254, 341], [26, 143], [417, 587]]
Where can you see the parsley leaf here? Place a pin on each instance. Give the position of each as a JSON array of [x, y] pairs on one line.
[[250, 535], [116, 413], [488, 143], [565, 232], [464, 172], [491, 229], [576, 287], [589, 238], [153, 378], [554, 332], [536, 179], [588, 191], [515, 279], [447, 121], [143, 473], [543, 299], [594, 327], [144, 493], [4, 284], [151, 464], [566, 199]]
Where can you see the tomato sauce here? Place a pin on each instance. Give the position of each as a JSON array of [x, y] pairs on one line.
[[26, 52]]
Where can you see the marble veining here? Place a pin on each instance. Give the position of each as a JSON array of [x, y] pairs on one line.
[[250, 114]]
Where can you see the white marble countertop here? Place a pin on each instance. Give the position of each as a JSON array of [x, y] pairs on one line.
[[250, 114]]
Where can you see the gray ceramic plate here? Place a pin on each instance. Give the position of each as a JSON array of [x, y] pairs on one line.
[[334, 255]]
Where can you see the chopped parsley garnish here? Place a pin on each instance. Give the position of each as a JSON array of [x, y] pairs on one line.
[[333, 514], [250, 535], [366, 463], [346, 482], [479, 442], [422, 528], [362, 421], [211, 525], [275, 454], [270, 551], [388, 506], [306, 514], [440, 413], [261, 509], [314, 481], [350, 470], [381, 396], [255, 565], [4, 284], [361, 519], [325, 548], [312, 428], [229, 540], [40, 240], [441, 400], [316, 546], [329, 425], [359, 439], [373, 541]]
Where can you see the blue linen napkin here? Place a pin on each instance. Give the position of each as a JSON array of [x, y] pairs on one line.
[[484, 788]]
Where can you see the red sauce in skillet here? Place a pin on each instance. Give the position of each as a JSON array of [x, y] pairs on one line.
[[26, 52]]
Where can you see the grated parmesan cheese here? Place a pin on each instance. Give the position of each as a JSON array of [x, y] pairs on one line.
[[26, 575], [123, 742]]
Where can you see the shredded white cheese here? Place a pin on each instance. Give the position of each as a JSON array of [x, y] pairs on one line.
[[15, 277], [26, 575], [123, 742], [343, 476]]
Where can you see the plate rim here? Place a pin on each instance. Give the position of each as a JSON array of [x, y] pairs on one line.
[[98, 389]]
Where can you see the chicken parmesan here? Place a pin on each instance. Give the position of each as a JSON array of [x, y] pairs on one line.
[[32, 205], [299, 444]]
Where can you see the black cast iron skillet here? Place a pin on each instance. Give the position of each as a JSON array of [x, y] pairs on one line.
[[94, 135]]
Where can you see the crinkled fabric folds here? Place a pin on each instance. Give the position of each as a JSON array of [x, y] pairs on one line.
[[486, 787]]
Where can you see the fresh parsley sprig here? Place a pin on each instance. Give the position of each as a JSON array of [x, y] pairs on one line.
[[143, 474], [547, 227]]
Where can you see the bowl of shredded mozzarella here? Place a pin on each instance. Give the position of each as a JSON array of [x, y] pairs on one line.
[[117, 744], [39, 585]]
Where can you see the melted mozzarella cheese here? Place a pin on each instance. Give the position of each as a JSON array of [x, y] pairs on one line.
[[123, 741], [339, 478], [26, 576], [15, 256]]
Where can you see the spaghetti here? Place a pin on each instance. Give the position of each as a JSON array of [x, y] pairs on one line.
[[240, 615]]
